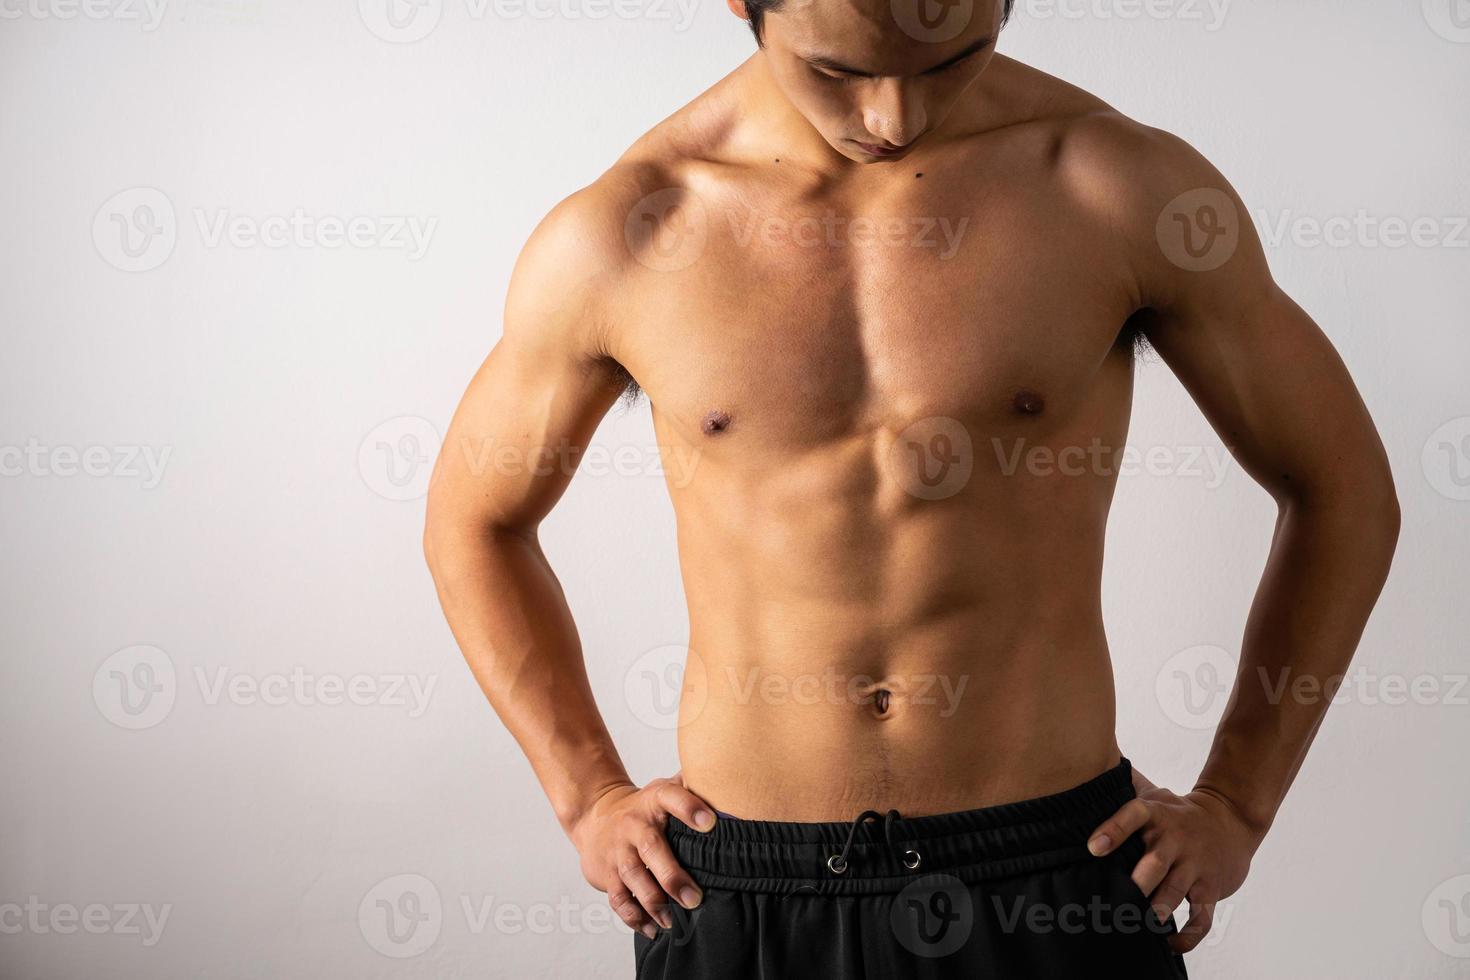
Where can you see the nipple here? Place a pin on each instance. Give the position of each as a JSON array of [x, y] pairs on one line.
[[715, 422]]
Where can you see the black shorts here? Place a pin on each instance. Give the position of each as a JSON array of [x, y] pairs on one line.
[[1003, 892]]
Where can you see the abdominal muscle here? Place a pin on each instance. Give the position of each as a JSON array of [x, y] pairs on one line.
[[842, 661]]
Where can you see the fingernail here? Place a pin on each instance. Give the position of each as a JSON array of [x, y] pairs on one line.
[[665, 920], [703, 820], [649, 930], [689, 897], [1163, 914], [1099, 844]]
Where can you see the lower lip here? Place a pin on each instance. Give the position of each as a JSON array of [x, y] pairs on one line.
[[877, 151]]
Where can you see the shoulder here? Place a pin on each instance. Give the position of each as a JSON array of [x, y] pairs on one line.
[[1144, 194], [589, 250], [1125, 170]]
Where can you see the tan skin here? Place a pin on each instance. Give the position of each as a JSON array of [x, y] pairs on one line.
[[803, 373]]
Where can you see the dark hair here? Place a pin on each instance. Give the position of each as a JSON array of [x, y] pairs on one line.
[[756, 10]]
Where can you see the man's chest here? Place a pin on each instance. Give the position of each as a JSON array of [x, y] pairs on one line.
[[807, 320]]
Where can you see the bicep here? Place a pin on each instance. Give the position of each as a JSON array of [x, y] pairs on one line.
[[519, 432], [1274, 388], [535, 402], [1264, 374]]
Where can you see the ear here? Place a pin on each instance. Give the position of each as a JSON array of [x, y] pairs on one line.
[[737, 7]]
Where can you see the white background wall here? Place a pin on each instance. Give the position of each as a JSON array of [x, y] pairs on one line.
[[272, 377]]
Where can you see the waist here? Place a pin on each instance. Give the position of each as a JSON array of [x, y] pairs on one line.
[[882, 854], [942, 733]]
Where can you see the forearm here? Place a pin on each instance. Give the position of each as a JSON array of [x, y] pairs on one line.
[[1328, 562], [514, 627]]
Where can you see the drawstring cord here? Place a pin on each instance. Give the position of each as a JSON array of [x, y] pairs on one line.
[[911, 859]]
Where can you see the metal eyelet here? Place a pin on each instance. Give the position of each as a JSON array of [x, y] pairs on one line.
[[912, 860], [837, 865]]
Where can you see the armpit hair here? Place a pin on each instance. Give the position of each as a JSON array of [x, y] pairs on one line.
[[1134, 335], [631, 390]]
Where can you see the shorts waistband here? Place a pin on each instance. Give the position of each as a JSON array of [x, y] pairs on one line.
[[971, 845]]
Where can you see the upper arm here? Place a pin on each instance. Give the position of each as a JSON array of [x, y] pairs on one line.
[[1264, 374], [537, 399]]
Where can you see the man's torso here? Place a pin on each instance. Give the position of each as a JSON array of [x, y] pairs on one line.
[[889, 406]]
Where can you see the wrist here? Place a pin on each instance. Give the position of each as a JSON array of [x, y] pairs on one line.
[[1253, 822], [573, 813]]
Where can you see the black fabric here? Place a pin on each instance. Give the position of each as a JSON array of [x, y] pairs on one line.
[[1002, 892]]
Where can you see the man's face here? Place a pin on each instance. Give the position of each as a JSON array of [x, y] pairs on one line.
[[873, 76]]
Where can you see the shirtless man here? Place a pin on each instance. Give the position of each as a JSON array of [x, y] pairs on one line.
[[860, 279]]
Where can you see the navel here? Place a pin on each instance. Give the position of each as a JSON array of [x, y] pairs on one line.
[[1028, 402]]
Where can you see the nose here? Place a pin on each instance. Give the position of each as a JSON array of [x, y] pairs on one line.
[[895, 112]]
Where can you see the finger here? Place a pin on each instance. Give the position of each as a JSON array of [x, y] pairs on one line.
[[1151, 870], [675, 799], [645, 889], [1170, 893], [1201, 919], [659, 858], [626, 907], [1118, 828]]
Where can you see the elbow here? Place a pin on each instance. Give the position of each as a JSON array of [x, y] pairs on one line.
[[1379, 512], [431, 534], [1390, 516], [1367, 508], [438, 528], [457, 537]]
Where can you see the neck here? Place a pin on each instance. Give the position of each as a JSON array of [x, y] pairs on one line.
[[776, 130]]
